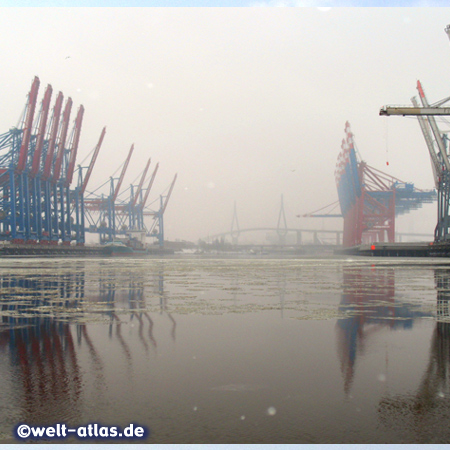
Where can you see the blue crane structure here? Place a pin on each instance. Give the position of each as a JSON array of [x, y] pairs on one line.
[[40, 203], [112, 217], [36, 171]]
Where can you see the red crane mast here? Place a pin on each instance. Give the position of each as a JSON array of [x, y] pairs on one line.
[[169, 194], [92, 163], [31, 106], [62, 140], [150, 184], [122, 175], [74, 146], [144, 174], [53, 134], [41, 131]]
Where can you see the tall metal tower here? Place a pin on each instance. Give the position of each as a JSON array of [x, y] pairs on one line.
[[282, 224], [235, 231]]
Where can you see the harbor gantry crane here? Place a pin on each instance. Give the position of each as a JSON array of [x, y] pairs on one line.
[[83, 182], [134, 218], [111, 217], [34, 180], [126, 217], [40, 204], [100, 211], [71, 201], [436, 144], [48, 231], [37, 203], [135, 212], [158, 224], [439, 164]]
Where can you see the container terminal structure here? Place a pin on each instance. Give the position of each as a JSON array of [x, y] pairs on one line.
[[370, 199], [42, 209]]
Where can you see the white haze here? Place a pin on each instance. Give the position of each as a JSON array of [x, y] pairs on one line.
[[245, 104]]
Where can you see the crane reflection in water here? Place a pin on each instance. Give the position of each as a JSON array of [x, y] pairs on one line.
[[423, 415], [47, 318], [369, 305]]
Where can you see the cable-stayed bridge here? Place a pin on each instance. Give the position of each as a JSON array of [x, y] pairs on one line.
[[284, 236]]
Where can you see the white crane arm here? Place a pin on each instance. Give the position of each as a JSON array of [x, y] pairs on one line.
[[434, 128], [435, 165]]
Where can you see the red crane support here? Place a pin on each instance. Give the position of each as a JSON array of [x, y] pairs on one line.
[[150, 184], [92, 163], [41, 131], [74, 146], [122, 175], [169, 194], [31, 105], [144, 174], [62, 140], [53, 134]]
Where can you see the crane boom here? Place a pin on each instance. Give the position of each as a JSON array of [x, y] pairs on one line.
[[437, 170], [169, 194], [74, 146], [413, 111], [149, 187], [122, 174], [41, 131], [53, 134], [94, 158], [434, 128], [31, 106], [138, 191]]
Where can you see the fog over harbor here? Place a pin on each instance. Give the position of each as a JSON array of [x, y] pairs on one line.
[[245, 104]]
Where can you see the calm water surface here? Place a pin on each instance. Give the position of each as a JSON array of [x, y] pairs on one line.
[[229, 350]]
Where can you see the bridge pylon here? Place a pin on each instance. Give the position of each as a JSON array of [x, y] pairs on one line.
[[235, 230], [282, 229]]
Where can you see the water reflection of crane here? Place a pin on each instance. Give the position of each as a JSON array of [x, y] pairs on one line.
[[49, 375], [163, 299], [368, 302], [40, 344], [44, 322], [424, 414]]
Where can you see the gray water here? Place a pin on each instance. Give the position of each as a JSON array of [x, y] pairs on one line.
[[229, 350]]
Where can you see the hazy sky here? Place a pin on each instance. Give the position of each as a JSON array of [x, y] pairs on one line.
[[245, 104]]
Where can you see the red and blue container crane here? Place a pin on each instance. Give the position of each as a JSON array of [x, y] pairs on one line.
[[36, 201], [371, 199], [40, 204]]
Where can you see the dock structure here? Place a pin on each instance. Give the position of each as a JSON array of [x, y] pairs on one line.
[[41, 205], [399, 249], [403, 249]]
